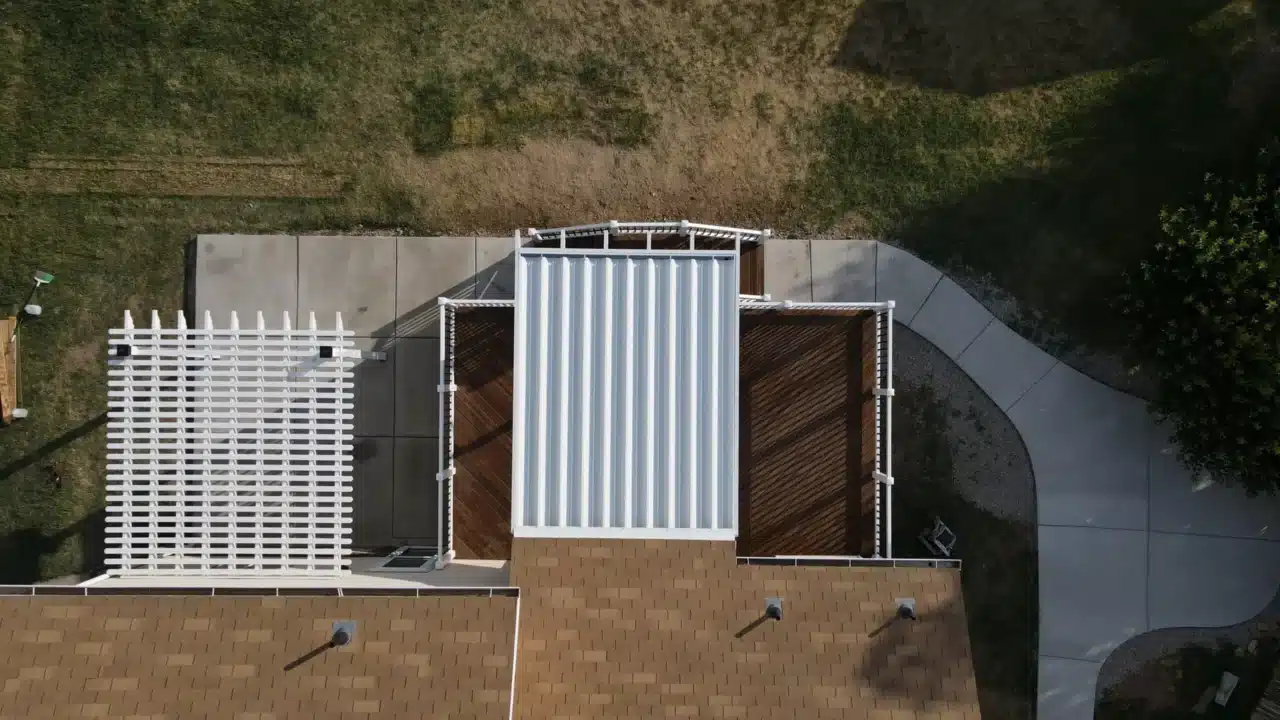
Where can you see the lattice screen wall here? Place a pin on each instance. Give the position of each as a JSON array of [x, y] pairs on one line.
[[229, 450]]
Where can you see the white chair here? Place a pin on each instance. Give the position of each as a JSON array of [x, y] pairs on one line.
[[939, 539]]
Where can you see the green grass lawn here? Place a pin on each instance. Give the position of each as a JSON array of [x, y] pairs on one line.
[[1039, 165], [109, 254]]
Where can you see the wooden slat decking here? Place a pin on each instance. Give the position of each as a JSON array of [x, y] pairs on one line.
[[751, 270], [484, 356], [807, 434], [8, 369]]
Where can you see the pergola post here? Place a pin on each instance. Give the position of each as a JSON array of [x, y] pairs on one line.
[[441, 459], [888, 436]]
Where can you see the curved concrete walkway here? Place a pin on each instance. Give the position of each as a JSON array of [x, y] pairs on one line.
[[1126, 545]]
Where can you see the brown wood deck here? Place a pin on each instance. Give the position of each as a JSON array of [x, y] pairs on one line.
[[484, 357], [807, 437], [8, 369], [807, 434]]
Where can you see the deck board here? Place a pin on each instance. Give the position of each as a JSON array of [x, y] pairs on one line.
[[8, 369], [484, 357], [807, 443]]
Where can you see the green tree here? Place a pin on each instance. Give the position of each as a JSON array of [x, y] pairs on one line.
[[1206, 308]]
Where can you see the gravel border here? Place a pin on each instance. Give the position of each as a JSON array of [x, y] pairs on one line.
[[990, 463], [1150, 646]]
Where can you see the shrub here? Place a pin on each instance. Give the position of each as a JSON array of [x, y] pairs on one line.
[[1206, 308]]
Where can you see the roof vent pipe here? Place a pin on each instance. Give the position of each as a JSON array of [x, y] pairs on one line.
[[773, 608], [907, 609]]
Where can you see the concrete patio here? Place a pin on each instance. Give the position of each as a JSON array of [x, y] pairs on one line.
[[386, 289]]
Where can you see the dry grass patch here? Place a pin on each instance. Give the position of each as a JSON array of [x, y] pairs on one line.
[[191, 177], [734, 168], [620, 110]]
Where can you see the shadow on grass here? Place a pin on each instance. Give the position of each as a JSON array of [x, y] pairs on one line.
[[21, 551], [948, 45], [1061, 238], [999, 577], [52, 446], [1050, 193]]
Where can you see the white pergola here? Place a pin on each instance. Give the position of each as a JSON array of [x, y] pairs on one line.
[[538, 463], [229, 449]]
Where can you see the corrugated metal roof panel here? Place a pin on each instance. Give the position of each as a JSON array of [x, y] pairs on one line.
[[626, 394]]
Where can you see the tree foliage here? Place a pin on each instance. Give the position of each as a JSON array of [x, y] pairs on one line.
[[1206, 308]]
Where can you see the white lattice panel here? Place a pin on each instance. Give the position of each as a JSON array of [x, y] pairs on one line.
[[229, 450]]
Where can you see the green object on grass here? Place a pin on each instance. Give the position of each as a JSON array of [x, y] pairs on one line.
[[43, 277]]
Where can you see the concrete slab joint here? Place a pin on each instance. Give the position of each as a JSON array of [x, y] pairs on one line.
[[950, 318], [905, 279], [788, 270], [842, 270], [426, 269]]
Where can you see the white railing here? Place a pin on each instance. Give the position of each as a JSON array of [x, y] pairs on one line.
[[883, 466], [767, 304], [881, 343], [613, 228], [447, 412], [884, 429]]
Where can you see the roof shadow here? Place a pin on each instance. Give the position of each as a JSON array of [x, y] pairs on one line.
[[925, 662]]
